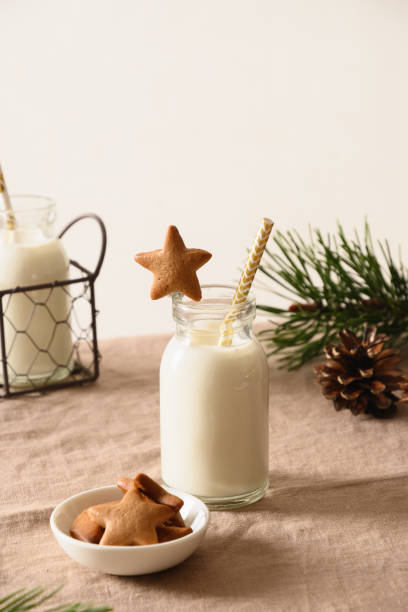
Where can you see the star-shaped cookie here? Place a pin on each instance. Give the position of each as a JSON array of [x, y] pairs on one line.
[[174, 267], [132, 521], [155, 492], [174, 528]]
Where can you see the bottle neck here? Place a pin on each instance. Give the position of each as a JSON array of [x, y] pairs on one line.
[[33, 219], [204, 322]]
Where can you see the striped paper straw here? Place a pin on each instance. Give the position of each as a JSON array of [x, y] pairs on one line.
[[247, 277], [7, 201]]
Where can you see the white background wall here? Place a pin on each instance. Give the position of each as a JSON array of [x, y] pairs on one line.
[[205, 114]]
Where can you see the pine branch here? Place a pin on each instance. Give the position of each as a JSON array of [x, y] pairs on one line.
[[27, 599], [337, 282]]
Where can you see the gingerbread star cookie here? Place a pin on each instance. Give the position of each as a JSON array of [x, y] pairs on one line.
[[132, 521], [151, 489], [174, 267]]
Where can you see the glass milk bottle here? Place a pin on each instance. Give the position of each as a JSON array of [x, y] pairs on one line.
[[214, 403], [36, 323]]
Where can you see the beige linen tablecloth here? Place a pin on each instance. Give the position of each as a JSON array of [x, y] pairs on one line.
[[331, 533]]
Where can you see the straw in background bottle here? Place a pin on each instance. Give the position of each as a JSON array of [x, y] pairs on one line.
[[7, 202]]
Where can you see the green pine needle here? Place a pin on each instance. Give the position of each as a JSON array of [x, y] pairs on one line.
[[26, 599], [344, 282]]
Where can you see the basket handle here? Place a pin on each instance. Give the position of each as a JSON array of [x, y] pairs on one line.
[[103, 240]]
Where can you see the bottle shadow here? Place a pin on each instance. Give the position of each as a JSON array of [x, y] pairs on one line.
[[306, 495]]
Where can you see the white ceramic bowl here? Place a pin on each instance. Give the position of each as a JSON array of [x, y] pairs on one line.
[[127, 560]]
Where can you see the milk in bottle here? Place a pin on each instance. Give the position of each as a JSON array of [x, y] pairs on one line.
[[36, 323]]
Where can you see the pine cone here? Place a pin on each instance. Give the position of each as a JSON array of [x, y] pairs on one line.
[[360, 374]]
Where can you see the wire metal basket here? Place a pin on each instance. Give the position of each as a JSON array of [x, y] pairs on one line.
[[82, 364]]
